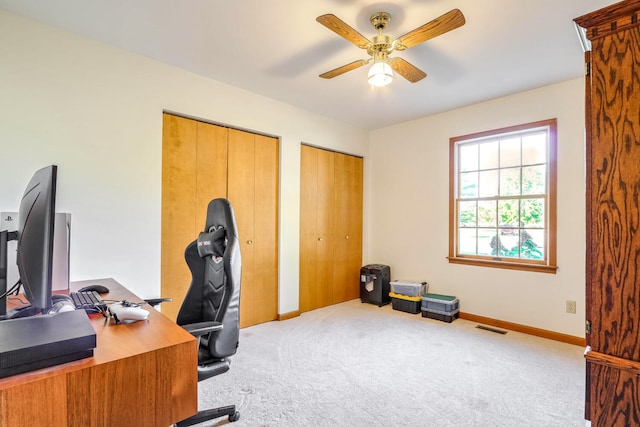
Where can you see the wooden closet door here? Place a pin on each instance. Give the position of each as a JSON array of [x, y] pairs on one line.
[[316, 227], [347, 253], [194, 158], [252, 182]]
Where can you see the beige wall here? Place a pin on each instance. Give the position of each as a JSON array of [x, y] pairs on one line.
[[96, 112], [408, 227]]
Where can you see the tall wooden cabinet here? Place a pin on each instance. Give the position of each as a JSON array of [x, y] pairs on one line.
[[613, 215], [330, 227], [202, 161]]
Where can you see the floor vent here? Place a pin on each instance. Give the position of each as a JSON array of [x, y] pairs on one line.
[[490, 329]]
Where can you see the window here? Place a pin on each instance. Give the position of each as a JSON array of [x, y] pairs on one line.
[[502, 202]]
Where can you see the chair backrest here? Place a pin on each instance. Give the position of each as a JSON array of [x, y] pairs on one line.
[[214, 294]]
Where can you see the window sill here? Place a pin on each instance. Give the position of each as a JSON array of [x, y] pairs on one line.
[[538, 268]]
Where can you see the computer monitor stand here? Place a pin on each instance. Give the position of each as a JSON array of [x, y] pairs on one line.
[[5, 237]]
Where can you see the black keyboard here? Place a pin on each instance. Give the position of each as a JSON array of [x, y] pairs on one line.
[[89, 301]]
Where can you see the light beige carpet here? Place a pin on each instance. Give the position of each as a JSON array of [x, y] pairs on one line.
[[355, 364]]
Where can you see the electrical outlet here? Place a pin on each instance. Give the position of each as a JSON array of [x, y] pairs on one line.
[[571, 307]]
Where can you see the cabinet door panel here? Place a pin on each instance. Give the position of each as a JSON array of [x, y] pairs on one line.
[[615, 182], [614, 399]]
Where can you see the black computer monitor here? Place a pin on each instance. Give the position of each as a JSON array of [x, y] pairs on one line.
[[36, 221]]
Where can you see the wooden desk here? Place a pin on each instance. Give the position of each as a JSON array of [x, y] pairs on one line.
[[141, 374]]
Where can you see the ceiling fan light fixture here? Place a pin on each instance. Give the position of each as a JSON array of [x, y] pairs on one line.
[[380, 74]]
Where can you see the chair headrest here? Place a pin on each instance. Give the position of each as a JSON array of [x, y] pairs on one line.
[[212, 243]]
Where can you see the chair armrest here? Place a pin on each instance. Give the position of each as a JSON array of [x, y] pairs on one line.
[[202, 328], [156, 301]]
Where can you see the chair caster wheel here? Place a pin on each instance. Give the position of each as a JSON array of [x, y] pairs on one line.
[[234, 417]]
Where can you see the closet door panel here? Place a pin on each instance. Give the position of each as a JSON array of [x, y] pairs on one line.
[[348, 227], [211, 168], [202, 162], [316, 228], [265, 246], [179, 227], [241, 194], [252, 190]]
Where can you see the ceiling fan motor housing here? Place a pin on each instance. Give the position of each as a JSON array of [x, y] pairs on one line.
[[380, 20]]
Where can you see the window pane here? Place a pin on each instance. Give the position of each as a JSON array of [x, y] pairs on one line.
[[488, 183], [469, 184], [467, 214], [534, 179], [467, 241], [489, 155], [509, 240], [532, 213], [510, 152], [534, 149], [468, 157], [487, 213], [486, 238], [510, 182], [508, 213], [532, 244]]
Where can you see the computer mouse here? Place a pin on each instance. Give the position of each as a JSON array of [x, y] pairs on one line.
[[98, 288], [61, 306]]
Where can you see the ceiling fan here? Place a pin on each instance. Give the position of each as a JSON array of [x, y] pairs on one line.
[[381, 46]]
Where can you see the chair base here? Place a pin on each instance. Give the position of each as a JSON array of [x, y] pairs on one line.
[[210, 414]]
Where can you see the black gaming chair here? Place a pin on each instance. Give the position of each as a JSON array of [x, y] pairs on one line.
[[211, 308]]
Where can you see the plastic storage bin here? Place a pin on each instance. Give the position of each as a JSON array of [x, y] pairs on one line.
[[441, 315], [440, 303], [413, 289], [405, 303]]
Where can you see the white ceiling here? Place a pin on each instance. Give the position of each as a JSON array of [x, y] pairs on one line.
[[277, 49]]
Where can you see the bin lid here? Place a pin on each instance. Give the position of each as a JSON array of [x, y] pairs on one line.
[[440, 297]]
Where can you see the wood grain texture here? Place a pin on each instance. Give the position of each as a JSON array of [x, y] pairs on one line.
[[316, 228], [203, 161], [211, 169], [264, 287], [331, 189], [35, 403], [615, 193], [179, 159], [252, 190], [142, 373], [347, 256], [615, 401], [613, 214]]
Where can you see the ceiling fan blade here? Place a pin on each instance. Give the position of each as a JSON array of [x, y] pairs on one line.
[[341, 70], [407, 70], [442, 24], [342, 29]]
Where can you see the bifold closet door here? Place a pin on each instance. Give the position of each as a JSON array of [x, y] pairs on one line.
[[316, 227], [252, 190], [189, 181], [347, 252], [330, 227]]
